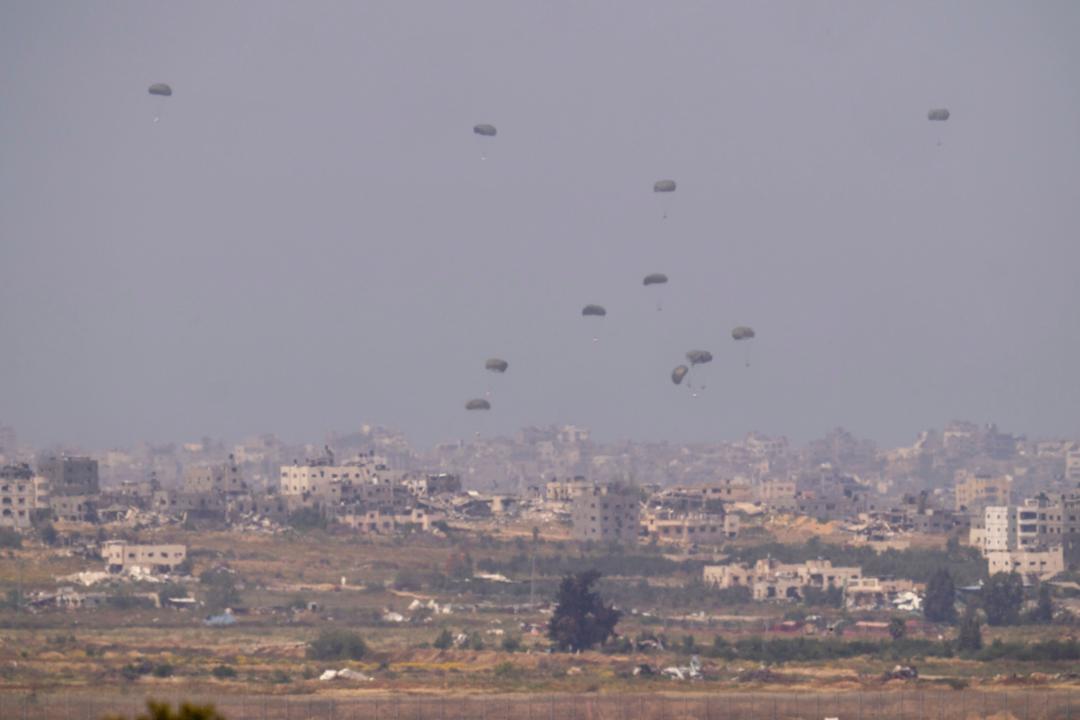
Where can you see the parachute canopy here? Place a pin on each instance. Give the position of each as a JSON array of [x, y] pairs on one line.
[[496, 365], [160, 89], [664, 186], [655, 279], [699, 357], [938, 114], [485, 130], [478, 404], [594, 311], [742, 333], [679, 373]]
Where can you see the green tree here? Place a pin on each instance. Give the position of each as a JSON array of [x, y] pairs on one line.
[[337, 645], [223, 672], [940, 602], [221, 588], [445, 640], [1044, 608], [49, 536], [1002, 598], [581, 618], [897, 629], [970, 636]]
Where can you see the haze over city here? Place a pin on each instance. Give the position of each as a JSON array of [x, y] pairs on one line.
[[304, 236]]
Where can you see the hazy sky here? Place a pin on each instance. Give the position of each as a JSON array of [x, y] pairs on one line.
[[308, 239]]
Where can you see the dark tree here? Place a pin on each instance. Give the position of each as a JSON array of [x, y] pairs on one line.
[[581, 619], [187, 711], [970, 637], [1002, 597], [49, 536], [897, 628], [444, 641], [337, 645], [940, 602], [1044, 610]]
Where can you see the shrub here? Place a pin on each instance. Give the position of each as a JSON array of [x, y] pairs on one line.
[[445, 640], [337, 645], [223, 672], [163, 670], [163, 711], [10, 539], [506, 669]]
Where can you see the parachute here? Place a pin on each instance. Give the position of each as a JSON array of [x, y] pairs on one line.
[[938, 115], [478, 404], [664, 186], [496, 365], [742, 333], [699, 357], [593, 311], [655, 279], [485, 130], [160, 89], [679, 373]]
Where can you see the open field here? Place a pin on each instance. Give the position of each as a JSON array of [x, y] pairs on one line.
[[910, 705], [374, 587]]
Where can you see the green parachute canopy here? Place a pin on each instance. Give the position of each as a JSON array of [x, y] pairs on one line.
[[496, 365], [938, 114], [664, 186], [160, 89], [485, 130], [478, 404], [742, 333], [679, 373], [655, 279], [699, 357], [593, 311]]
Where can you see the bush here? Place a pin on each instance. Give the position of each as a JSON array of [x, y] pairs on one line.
[[511, 643], [337, 645], [280, 677], [307, 519], [223, 672], [444, 641], [163, 670], [163, 711], [506, 669], [10, 539], [49, 536], [135, 670]]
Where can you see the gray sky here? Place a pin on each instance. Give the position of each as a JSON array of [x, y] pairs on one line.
[[308, 239]]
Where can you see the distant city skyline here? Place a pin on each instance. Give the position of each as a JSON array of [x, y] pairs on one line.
[[304, 235]]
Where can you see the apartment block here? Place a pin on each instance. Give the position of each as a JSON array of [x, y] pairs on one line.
[[607, 513], [121, 556]]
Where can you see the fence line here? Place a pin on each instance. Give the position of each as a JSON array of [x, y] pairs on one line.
[[884, 705]]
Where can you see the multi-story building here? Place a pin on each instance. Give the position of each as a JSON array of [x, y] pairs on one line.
[[607, 513], [121, 556], [377, 522], [215, 478], [429, 485], [72, 487], [769, 579], [778, 495], [70, 475], [690, 528], [18, 496], [1072, 466], [1040, 564], [1037, 523], [975, 491]]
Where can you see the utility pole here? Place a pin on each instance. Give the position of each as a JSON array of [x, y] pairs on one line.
[[532, 580]]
